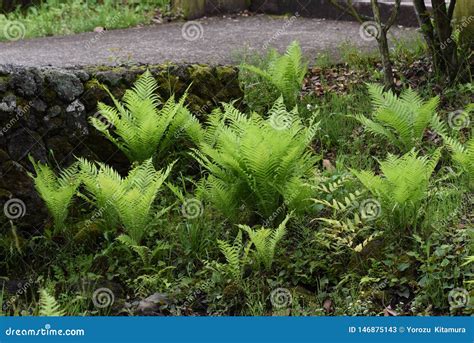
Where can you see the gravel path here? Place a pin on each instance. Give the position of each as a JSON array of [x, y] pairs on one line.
[[209, 40]]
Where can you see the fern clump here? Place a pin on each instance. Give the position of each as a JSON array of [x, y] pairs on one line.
[[254, 165], [141, 129], [130, 199], [57, 191], [403, 186], [265, 241], [283, 73], [463, 155], [236, 255], [48, 306], [402, 120]]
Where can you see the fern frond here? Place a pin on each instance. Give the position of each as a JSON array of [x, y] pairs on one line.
[[48, 306]]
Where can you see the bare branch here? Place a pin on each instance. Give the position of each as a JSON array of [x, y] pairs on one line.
[[350, 9], [393, 16], [452, 5]]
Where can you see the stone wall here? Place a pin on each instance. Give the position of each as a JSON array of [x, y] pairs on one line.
[[47, 110]]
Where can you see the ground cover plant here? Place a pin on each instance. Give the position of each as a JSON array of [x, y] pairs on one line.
[[56, 17], [308, 199]]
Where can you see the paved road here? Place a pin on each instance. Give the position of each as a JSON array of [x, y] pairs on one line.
[[209, 40]]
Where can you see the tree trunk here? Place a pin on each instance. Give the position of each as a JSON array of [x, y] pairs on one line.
[[386, 62]]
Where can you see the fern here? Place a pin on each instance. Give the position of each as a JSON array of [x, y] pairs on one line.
[[129, 199], [265, 241], [139, 128], [403, 186], [57, 191], [401, 120], [255, 167], [236, 256], [48, 306], [463, 155], [283, 72]]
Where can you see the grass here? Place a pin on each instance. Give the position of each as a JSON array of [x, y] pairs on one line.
[[56, 17]]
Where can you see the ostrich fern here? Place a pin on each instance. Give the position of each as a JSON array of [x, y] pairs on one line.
[[265, 242], [130, 199], [463, 155], [283, 72], [403, 186], [402, 120], [236, 256], [138, 127], [255, 167], [48, 306], [57, 191]]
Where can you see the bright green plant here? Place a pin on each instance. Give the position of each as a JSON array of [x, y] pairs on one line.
[[131, 199], [402, 120], [403, 186], [463, 155], [139, 128], [236, 256], [48, 306], [265, 241], [256, 166], [57, 191], [285, 73]]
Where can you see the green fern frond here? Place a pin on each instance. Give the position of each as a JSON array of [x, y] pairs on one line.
[[255, 164], [402, 120], [139, 127], [57, 191], [48, 306], [284, 72]]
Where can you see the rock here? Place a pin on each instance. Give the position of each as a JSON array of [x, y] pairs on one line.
[[24, 83], [39, 105], [76, 108], [153, 304], [25, 142], [66, 85]]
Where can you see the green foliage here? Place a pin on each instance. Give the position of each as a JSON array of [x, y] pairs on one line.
[[59, 17], [265, 241], [463, 155], [236, 256], [139, 128], [285, 73], [256, 166], [131, 199], [402, 120], [48, 306], [56, 191], [403, 186]]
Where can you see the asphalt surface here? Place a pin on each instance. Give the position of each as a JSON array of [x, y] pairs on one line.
[[209, 40]]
